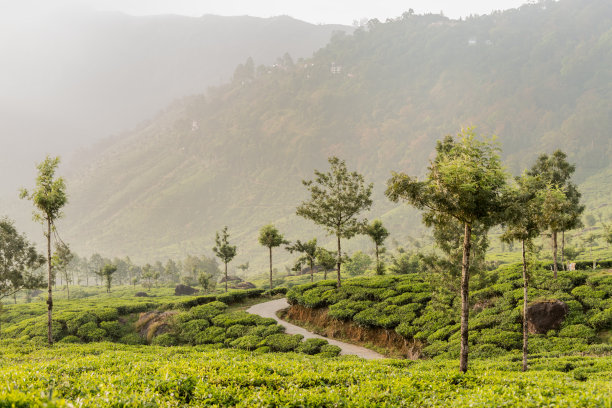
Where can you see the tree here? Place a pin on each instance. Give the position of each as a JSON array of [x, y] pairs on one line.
[[18, 259], [204, 281], [106, 274], [378, 233], [244, 268], [555, 212], [309, 251], [326, 260], [60, 260], [48, 197], [591, 240], [555, 172], [358, 264], [608, 233], [336, 199], [521, 224], [224, 250], [465, 182], [271, 238]]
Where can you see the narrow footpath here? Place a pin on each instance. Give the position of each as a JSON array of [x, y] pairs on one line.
[[269, 309]]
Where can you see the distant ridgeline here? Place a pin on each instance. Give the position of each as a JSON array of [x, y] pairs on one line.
[[538, 77]]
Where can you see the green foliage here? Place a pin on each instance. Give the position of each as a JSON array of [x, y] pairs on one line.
[[311, 346], [357, 264], [283, 342]]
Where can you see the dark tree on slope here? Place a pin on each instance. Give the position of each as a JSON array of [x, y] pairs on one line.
[[271, 238], [555, 171], [309, 251], [18, 259], [466, 181], [336, 199], [521, 224], [378, 233], [224, 250], [49, 196]]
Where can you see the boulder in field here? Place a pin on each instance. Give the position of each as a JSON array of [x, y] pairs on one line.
[[181, 290], [543, 316]]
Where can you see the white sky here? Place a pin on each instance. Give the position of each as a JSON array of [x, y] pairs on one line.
[[314, 11]]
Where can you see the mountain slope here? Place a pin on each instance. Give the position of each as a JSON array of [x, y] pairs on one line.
[[539, 77], [73, 77]]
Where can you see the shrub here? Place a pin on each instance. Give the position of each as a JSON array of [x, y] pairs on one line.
[[79, 320], [91, 332], [240, 317], [248, 342], [165, 340], [70, 339], [208, 311], [602, 320], [283, 342], [346, 309], [113, 329], [313, 297], [265, 330], [131, 338], [190, 330], [437, 347], [486, 351], [235, 331], [107, 314], [373, 317], [329, 350], [504, 339], [406, 330], [578, 331], [311, 346], [211, 335]]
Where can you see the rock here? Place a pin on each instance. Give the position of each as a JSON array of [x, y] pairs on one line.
[[141, 294], [243, 285], [181, 290], [545, 315], [230, 278]]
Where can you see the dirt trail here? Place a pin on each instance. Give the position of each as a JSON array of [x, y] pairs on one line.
[[269, 309]]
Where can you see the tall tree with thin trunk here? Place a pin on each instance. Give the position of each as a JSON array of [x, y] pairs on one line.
[[224, 250], [521, 224], [309, 251], [48, 197], [378, 233], [555, 172], [336, 199], [466, 181], [555, 210], [271, 238]]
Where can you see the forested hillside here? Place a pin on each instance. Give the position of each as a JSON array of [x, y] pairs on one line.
[[539, 77]]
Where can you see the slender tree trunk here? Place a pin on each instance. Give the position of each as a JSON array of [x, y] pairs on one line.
[[226, 277], [15, 298], [311, 270], [339, 261], [563, 250], [67, 290], [554, 243], [270, 271], [377, 262], [525, 334], [49, 286], [465, 300]]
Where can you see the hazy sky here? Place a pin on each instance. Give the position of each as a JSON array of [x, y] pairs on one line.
[[314, 11]]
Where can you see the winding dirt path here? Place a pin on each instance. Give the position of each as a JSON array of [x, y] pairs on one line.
[[269, 309]]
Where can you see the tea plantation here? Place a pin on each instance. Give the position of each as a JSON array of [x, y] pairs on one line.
[[410, 305], [106, 374]]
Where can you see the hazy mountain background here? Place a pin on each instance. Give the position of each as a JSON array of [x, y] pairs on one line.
[[540, 78], [73, 76]]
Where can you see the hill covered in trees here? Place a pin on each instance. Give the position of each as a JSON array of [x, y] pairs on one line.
[[538, 77]]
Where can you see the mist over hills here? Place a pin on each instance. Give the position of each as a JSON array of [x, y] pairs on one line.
[[72, 77], [539, 77]]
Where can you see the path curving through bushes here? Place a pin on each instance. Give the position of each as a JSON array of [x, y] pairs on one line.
[[269, 309]]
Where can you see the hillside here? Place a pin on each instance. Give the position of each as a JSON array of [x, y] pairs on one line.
[[539, 77], [75, 76]]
